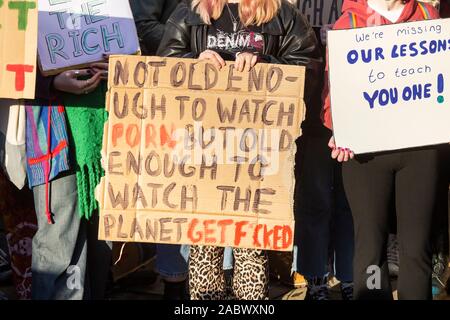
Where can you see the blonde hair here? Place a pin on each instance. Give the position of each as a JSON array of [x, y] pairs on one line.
[[251, 12]]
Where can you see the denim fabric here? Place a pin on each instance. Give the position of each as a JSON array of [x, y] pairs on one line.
[[342, 234], [324, 225], [172, 260], [59, 251], [99, 262], [228, 259]]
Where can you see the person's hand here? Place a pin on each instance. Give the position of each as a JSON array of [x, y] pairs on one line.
[[68, 81], [100, 67], [245, 61], [340, 154], [213, 57]]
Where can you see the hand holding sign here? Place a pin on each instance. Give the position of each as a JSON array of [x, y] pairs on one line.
[[245, 61], [338, 153], [68, 81], [213, 57], [100, 67]]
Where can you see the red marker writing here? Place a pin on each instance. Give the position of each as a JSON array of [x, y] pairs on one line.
[[20, 70]]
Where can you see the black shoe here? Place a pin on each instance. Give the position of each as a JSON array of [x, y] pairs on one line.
[[5, 268], [439, 263], [317, 289], [175, 290], [3, 296], [347, 290], [229, 282], [393, 256], [448, 286]]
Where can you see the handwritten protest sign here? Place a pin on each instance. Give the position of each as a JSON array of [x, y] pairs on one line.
[[320, 12], [194, 155], [77, 32], [18, 29], [390, 85]]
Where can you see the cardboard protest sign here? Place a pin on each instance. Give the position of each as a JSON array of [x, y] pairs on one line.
[[389, 86], [320, 12], [73, 33], [18, 43], [194, 155]]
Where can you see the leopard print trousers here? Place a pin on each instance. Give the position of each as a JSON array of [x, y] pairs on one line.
[[207, 280]]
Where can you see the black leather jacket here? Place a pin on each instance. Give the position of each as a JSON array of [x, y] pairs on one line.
[[288, 39], [150, 17]]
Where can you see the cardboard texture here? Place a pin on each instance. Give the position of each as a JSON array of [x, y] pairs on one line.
[[194, 155], [74, 33], [18, 46], [389, 86], [320, 12]]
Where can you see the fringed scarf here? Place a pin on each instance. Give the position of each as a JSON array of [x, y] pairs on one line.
[[86, 116]]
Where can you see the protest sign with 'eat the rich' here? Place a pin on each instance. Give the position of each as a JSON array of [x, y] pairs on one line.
[[73, 33], [389, 85], [18, 43], [196, 155]]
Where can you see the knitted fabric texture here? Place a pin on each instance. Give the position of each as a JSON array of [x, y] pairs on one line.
[[86, 116]]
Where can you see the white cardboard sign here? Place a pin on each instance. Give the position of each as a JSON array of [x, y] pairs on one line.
[[77, 32], [390, 85]]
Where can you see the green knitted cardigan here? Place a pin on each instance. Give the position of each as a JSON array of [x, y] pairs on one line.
[[86, 116]]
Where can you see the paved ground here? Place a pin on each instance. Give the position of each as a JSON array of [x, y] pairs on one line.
[[134, 288], [145, 284]]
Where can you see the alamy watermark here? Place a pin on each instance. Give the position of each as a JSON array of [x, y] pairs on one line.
[[74, 280], [373, 282]]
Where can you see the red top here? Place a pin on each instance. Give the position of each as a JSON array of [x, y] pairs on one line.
[[366, 17]]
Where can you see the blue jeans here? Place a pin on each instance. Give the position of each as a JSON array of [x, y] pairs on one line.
[[324, 224], [172, 261], [59, 252], [228, 259]]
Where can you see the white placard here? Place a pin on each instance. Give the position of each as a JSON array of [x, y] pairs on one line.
[[77, 32], [390, 85]]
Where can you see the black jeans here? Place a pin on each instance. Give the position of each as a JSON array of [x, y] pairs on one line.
[[370, 182], [324, 225], [99, 262]]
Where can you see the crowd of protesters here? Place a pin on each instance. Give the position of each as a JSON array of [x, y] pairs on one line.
[[347, 207]]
